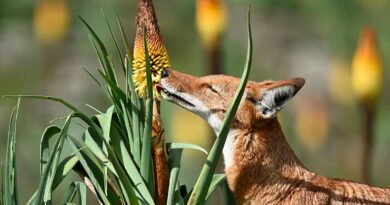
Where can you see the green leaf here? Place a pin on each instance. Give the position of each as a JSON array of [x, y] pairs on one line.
[[76, 111], [93, 77], [227, 194], [115, 42], [202, 185], [175, 145], [136, 115], [92, 169], [45, 150], [46, 182], [70, 194], [118, 145], [76, 188], [123, 35], [2, 183], [217, 180], [125, 180], [9, 180], [174, 165], [131, 168], [146, 163], [114, 87], [63, 169], [108, 67]]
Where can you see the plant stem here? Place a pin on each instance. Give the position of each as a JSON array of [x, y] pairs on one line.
[[214, 59], [368, 140]]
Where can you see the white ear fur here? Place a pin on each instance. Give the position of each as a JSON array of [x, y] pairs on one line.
[[274, 99]]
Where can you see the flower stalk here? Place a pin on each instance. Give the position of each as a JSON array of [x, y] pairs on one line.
[[211, 22], [367, 79], [148, 38]]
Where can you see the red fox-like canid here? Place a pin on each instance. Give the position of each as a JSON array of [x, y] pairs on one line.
[[260, 166]]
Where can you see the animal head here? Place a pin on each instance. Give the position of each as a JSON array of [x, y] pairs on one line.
[[210, 96]]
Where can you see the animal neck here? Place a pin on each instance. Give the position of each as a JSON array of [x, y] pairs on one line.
[[259, 157]]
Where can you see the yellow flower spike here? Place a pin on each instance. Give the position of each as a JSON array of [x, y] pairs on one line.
[[158, 55], [51, 20], [367, 70], [211, 20]]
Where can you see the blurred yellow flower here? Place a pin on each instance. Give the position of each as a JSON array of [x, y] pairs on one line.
[[51, 20], [158, 55], [211, 20], [367, 71]]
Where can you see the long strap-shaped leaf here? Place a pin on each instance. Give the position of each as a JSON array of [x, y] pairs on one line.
[[199, 194], [76, 188], [10, 190], [146, 163], [46, 182], [98, 133]]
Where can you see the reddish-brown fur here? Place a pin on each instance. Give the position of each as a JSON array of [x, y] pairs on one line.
[[265, 170]]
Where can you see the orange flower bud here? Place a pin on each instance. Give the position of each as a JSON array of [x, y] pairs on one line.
[[51, 20], [211, 20], [367, 70]]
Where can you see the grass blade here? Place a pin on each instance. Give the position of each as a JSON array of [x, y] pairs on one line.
[[63, 169], [93, 77], [115, 42], [76, 111], [227, 194], [199, 194], [125, 180], [130, 167], [175, 145], [109, 69], [10, 182], [45, 150], [76, 188], [2, 183], [82, 193], [174, 165], [123, 35], [94, 171], [70, 194], [46, 182], [146, 168], [217, 180]]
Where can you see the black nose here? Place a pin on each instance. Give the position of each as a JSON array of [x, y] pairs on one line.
[[164, 73]]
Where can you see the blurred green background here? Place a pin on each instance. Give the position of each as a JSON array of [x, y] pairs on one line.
[[312, 39]]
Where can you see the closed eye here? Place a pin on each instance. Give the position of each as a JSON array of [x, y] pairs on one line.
[[212, 88]]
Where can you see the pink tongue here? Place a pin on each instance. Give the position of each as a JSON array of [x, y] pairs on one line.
[[158, 88]]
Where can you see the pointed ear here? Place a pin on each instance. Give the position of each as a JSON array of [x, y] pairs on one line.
[[276, 94]]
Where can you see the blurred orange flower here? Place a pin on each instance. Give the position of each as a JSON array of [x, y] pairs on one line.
[[211, 20], [367, 69], [51, 20]]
